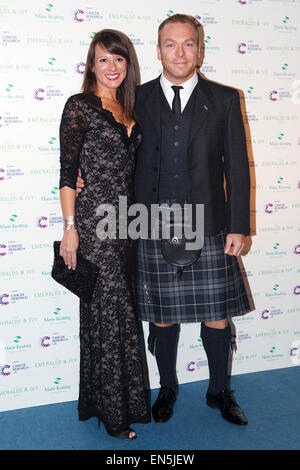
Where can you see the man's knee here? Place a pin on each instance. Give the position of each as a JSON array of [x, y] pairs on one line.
[[218, 324]]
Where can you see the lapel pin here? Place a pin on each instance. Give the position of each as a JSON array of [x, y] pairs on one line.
[[206, 107]]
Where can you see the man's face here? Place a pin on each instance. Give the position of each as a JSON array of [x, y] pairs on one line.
[[178, 51]]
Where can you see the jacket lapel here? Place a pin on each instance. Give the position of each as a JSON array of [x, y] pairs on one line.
[[202, 107], [152, 106]]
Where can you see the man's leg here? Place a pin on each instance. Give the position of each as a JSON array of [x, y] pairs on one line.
[[216, 336], [163, 341]]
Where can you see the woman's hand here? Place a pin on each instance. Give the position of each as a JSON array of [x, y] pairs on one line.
[[68, 247]]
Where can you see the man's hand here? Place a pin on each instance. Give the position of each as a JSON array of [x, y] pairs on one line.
[[79, 183], [235, 243]]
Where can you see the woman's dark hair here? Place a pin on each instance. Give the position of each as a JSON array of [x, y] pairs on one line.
[[117, 43]]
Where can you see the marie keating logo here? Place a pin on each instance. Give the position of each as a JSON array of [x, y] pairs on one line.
[[9, 87], [49, 7], [284, 66], [57, 380], [51, 60], [52, 140], [285, 19], [57, 311], [80, 68], [276, 287], [170, 13], [167, 222]]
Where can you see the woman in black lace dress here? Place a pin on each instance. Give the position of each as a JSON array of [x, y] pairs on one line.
[[98, 135]]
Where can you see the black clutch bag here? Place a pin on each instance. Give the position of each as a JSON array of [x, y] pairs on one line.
[[81, 281]]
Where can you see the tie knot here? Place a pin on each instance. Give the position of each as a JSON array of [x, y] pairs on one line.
[[176, 89]]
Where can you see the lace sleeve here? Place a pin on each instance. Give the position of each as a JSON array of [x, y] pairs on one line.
[[72, 131]]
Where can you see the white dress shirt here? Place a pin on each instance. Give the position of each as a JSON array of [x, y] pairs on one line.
[[185, 93]]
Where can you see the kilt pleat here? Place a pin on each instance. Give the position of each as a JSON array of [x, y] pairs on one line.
[[211, 289]]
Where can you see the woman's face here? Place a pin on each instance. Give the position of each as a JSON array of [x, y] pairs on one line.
[[109, 69]]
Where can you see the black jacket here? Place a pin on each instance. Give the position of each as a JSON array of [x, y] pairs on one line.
[[217, 148]]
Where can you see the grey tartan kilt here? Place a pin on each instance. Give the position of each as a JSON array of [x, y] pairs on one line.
[[210, 289]]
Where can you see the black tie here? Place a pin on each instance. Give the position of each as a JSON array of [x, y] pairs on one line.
[[176, 105]]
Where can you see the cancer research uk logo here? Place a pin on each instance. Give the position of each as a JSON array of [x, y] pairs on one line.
[[86, 15], [296, 290], [274, 207], [13, 368], [270, 313], [47, 93], [12, 247], [51, 221], [196, 365], [248, 47], [53, 340], [279, 95]]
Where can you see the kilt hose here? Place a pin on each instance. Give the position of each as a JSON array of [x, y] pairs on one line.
[[210, 289]]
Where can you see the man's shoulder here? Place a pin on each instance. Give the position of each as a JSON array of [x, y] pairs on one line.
[[146, 88], [218, 89]]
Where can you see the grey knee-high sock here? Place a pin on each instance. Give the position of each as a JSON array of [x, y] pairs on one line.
[[162, 343], [216, 343]]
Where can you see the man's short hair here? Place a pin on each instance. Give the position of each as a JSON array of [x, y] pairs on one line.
[[181, 18]]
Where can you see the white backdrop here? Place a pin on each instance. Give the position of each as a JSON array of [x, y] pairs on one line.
[[252, 45]]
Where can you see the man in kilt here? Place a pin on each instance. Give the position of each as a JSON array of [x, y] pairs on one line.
[[193, 140], [184, 156]]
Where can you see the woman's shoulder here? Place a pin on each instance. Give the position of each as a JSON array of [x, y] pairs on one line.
[[82, 100]]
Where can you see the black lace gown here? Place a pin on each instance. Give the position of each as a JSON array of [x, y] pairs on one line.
[[111, 370]]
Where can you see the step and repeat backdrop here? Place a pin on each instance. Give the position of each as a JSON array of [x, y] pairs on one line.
[[251, 45]]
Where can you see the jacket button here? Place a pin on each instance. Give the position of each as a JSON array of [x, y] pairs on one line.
[[176, 127], [157, 148], [155, 169], [154, 190], [176, 143]]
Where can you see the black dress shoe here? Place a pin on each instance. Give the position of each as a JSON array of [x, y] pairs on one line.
[[162, 409], [230, 410]]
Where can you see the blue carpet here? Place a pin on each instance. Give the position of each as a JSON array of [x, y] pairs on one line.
[[270, 400]]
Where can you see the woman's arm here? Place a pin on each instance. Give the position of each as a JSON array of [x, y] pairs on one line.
[[72, 131], [70, 240]]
